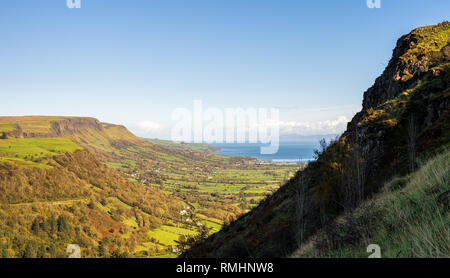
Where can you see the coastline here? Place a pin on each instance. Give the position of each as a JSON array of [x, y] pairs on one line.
[[289, 153]]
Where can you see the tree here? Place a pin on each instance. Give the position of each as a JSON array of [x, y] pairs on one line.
[[360, 162], [53, 250], [41, 251], [35, 226], [30, 250], [53, 225], [63, 226], [186, 242], [354, 175], [323, 146], [118, 254], [101, 249], [412, 134], [300, 208], [3, 136]]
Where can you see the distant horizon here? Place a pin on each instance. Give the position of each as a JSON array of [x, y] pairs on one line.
[[283, 137], [299, 139]]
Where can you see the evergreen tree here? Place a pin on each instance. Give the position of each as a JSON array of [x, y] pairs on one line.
[[101, 249], [41, 251], [63, 226], [35, 226], [53, 251], [30, 250], [53, 225]]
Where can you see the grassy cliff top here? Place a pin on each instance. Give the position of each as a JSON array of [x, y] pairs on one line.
[[33, 124], [425, 40]]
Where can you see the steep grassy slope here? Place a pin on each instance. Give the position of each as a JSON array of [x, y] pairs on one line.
[[405, 117], [410, 218]]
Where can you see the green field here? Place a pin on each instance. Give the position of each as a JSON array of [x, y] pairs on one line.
[[167, 235], [32, 152]]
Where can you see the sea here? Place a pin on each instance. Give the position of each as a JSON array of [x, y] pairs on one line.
[[288, 152]]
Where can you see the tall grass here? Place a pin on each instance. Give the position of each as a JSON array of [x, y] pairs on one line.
[[419, 214], [410, 218]]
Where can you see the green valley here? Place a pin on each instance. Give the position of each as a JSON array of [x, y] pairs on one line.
[[118, 195]]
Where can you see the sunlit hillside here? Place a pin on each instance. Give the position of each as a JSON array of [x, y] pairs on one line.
[[117, 194]]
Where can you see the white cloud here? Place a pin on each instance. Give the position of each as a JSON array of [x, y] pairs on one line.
[[149, 126], [320, 127], [151, 129], [336, 126]]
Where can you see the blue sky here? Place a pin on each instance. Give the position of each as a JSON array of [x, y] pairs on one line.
[[132, 62]]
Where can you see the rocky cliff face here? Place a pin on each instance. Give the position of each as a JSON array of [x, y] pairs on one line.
[[413, 56], [412, 93], [405, 116], [42, 126], [74, 125]]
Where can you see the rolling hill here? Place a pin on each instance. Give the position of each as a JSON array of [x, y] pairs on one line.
[[76, 180]]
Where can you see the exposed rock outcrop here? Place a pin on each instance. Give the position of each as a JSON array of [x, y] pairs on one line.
[[74, 125], [407, 65]]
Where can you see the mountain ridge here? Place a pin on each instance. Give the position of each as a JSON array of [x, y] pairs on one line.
[[405, 117]]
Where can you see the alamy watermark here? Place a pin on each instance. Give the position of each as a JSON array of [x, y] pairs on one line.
[[74, 251], [373, 4], [231, 125], [76, 4], [374, 250], [73, 4]]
